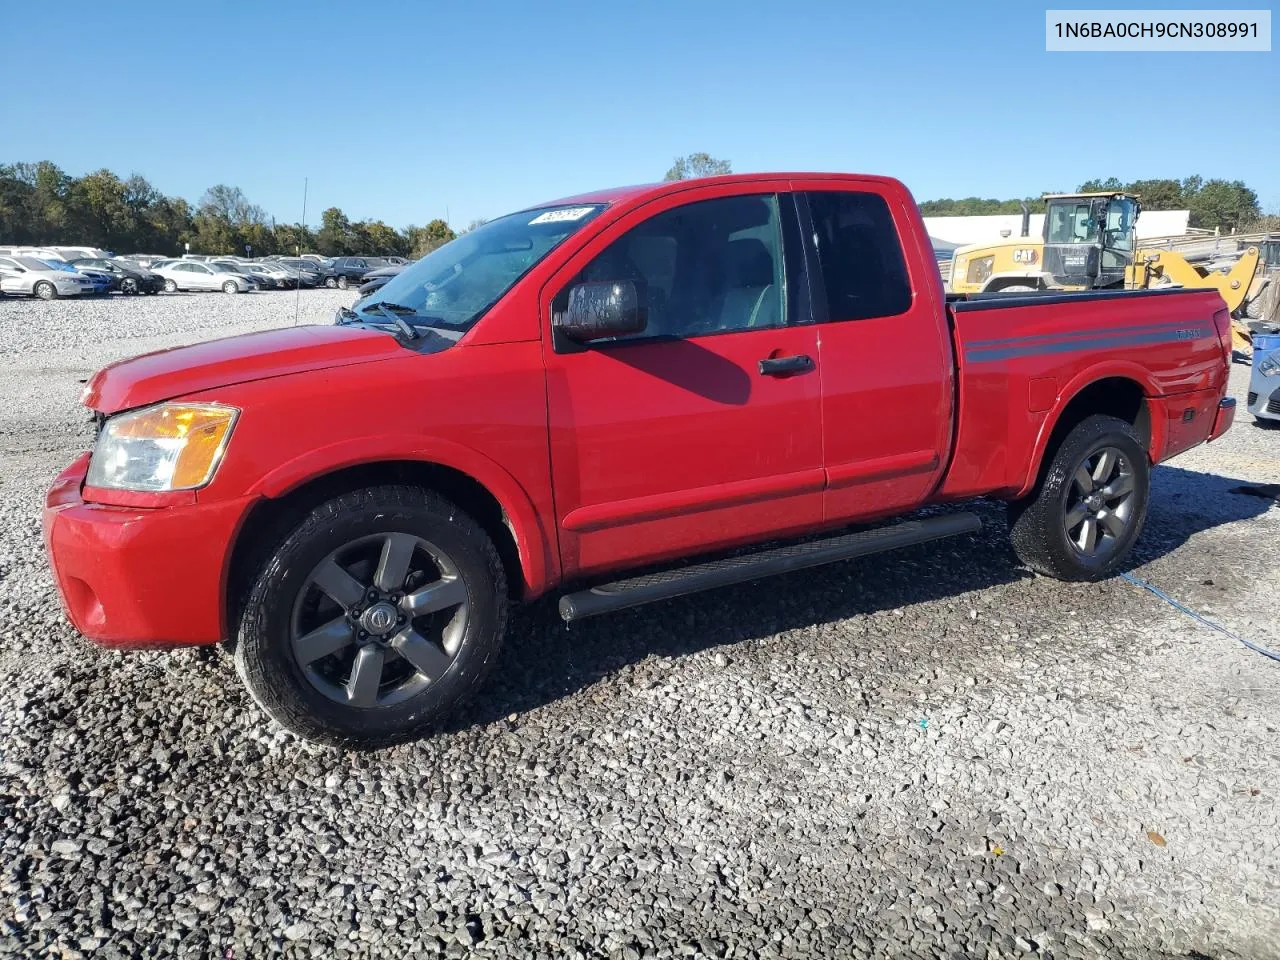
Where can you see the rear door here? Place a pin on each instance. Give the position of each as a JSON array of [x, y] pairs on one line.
[[885, 355], [676, 441]]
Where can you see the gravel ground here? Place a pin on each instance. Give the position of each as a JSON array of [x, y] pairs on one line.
[[930, 754]]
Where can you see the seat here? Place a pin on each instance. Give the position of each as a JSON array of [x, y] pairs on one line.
[[749, 299]]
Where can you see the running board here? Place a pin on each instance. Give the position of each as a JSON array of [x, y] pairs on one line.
[[754, 566]]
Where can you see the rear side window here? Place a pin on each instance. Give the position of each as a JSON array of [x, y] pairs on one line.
[[863, 270]]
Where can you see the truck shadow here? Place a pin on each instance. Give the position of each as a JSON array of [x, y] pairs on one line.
[[544, 660]]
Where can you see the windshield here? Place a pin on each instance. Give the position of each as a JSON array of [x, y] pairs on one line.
[[1075, 221], [454, 285], [31, 263]]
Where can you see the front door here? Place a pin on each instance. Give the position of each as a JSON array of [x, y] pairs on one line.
[[678, 440]]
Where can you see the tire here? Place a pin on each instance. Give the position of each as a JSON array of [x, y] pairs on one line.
[[343, 283], [449, 554], [1039, 525], [45, 290], [330, 282], [128, 286], [170, 286], [230, 287]]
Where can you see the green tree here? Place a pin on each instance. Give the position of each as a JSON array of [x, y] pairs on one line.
[[335, 237], [422, 240], [1111, 184], [1223, 204], [1158, 194], [697, 165]]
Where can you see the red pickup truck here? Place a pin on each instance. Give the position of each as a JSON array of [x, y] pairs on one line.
[[606, 387]]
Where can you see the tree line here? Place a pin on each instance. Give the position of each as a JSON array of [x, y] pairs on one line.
[[42, 205], [1224, 204]]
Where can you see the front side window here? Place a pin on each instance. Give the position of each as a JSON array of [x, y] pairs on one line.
[[711, 266], [863, 269]]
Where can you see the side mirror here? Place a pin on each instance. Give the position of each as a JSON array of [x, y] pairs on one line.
[[597, 310]]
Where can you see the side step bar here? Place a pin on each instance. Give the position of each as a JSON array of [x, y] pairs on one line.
[[753, 566]]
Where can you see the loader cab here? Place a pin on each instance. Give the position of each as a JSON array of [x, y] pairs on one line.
[[1089, 238]]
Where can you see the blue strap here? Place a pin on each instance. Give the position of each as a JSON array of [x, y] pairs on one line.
[[1152, 588]]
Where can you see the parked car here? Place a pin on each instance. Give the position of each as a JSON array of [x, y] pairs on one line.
[[129, 278], [377, 283], [31, 277], [1264, 386], [103, 283], [348, 271], [628, 379], [262, 277], [309, 274], [196, 275], [377, 279], [319, 270]]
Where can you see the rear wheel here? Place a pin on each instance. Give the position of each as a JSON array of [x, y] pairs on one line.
[[46, 290], [381, 611], [1089, 507], [343, 283], [170, 286]]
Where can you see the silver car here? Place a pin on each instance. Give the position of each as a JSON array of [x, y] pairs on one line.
[[195, 275], [27, 275], [1264, 386]]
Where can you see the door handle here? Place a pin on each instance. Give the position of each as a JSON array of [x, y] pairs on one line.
[[781, 366]]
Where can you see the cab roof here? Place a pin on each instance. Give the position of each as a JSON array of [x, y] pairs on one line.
[[643, 192]]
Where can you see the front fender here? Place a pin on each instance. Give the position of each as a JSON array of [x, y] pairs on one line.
[[538, 558]]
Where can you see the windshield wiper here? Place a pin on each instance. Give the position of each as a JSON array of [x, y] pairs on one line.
[[386, 310]]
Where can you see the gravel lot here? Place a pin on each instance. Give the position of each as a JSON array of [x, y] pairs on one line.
[[931, 754]]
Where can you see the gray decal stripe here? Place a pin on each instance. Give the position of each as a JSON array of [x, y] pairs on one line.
[[1141, 328], [1004, 353]]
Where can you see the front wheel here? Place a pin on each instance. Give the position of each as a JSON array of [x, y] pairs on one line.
[[46, 290], [330, 282], [128, 286], [170, 286], [1085, 514], [380, 612], [230, 287]]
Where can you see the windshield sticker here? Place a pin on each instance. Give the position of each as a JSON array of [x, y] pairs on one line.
[[561, 215]]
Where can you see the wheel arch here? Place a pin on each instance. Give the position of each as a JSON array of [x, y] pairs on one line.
[[491, 496], [1121, 392]]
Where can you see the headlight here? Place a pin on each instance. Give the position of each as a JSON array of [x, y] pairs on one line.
[[171, 446], [1269, 366]]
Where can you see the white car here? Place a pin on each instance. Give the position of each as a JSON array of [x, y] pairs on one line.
[[195, 275], [27, 275]]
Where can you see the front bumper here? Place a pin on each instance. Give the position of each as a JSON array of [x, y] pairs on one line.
[[1264, 398], [139, 577]]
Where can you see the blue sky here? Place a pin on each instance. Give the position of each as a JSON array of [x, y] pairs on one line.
[[403, 111]]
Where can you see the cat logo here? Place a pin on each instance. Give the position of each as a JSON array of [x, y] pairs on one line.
[[1025, 255]]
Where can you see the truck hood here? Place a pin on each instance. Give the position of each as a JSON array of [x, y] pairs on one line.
[[166, 374]]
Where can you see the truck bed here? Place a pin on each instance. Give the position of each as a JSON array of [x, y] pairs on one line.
[[1021, 358]]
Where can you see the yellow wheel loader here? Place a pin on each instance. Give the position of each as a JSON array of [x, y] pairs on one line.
[[1089, 243]]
